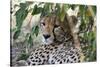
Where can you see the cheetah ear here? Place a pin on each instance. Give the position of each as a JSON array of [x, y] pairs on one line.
[[75, 12]]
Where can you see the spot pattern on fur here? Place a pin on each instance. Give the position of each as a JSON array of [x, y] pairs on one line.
[[54, 55]]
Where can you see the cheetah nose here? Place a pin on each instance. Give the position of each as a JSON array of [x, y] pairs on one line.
[[46, 36]]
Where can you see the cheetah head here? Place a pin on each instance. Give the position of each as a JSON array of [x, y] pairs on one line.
[[53, 29]]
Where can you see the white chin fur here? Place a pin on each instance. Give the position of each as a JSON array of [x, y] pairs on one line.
[[47, 41]]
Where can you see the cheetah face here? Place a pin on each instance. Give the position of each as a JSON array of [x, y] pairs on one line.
[[51, 29], [47, 25]]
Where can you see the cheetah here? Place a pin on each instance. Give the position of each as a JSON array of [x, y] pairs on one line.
[[58, 47]]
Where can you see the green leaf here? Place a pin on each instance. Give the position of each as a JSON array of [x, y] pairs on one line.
[[23, 56], [36, 10], [73, 7], [63, 10], [41, 3], [27, 36], [83, 25], [94, 9], [30, 40], [16, 34], [21, 14], [36, 30], [33, 30], [46, 9], [62, 14], [23, 5], [82, 9], [13, 30], [58, 9], [94, 45]]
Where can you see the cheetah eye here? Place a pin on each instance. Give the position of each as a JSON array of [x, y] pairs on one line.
[[43, 23]]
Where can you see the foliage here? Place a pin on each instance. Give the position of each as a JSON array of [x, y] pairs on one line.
[[20, 16], [60, 10], [23, 56], [89, 34]]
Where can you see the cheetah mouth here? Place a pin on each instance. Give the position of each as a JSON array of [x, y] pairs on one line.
[[48, 41]]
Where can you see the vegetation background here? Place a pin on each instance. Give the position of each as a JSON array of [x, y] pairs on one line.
[[26, 34]]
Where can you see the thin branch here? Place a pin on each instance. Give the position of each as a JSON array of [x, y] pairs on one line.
[[73, 33]]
